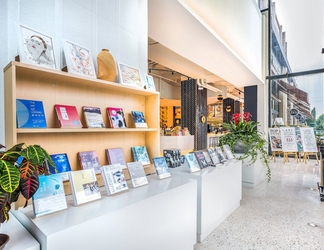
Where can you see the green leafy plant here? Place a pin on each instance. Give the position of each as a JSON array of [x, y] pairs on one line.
[[20, 167], [245, 131]]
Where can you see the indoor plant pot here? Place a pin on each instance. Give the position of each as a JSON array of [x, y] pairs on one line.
[[244, 135]]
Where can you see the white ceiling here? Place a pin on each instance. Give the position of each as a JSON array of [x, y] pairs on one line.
[[210, 57]]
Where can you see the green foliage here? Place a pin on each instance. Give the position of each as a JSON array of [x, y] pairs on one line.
[[320, 122], [253, 142], [20, 167]]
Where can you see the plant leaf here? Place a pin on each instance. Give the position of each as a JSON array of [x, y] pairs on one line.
[[36, 155], [4, 196], [10, 176], [4, 213], [29, 186]]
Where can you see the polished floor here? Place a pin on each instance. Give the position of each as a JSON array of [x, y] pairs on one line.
[[275, 215]]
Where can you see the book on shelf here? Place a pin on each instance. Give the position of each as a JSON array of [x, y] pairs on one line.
[[67, 116], [139, 120], [84, 186], [93, 117], [192, 162], [30, 114], [214, 157], [220, 154], [161, 167], [116, 155], [172, 157], [50, 196], [201, 159], [62, 164], [140, 154], [116, 117], [208, 158], [114, 178], [137, 173], [89, 159], [228, 152]]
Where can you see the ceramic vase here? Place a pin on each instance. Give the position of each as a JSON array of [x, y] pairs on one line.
[[106, 66]]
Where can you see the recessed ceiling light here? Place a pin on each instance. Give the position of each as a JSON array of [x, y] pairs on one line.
[[311, 224]]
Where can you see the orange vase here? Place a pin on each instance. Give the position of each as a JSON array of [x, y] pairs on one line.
[[106, 66]]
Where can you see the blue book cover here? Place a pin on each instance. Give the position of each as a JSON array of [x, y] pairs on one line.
[[140, 154], [50, 196], [30, 114], [192, 162], [161, 167], [62, 165]]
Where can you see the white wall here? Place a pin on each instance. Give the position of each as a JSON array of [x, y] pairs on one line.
[[118, 25]]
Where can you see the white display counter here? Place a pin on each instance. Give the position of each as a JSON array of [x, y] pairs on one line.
[[219, 194], [160, 215], [254, 174], [185, 143], [20, 238]]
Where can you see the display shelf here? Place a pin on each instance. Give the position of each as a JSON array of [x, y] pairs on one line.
[[52, 87], [160, 215], [219, 192], [84, 130], [20, 238]]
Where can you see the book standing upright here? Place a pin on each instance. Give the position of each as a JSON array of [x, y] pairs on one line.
[[67, 116], [116, 117], [137, 173], [89, 159], [161, 167], [114, 178]]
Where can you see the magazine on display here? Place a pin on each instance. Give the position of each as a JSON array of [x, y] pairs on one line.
[[67, 116], [114, 178], [140, 154], [84, 186], [228, 152], [62, 165], [30, 114], [139, 119], [89, 159], [213, 156], [220, 154], [116, 155], [116, 117], [208, 158], [201, 159], [161, 167], [93, 117], [192, 162], [172, 157], [50, 196], [137, 173]]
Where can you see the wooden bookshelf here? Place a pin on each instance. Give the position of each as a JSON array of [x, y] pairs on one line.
[[52, 87]]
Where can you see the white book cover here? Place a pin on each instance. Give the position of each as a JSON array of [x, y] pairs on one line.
[[137, 173], [50, 196], [114, 178], [308, 140], [228, 152], [220, 154], [192, 162], [84, 186], [213, 156], [161, 167], [288, 139], [93, 117], [208, 158]]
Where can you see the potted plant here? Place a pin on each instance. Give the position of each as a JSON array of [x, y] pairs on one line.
[[244, 137], [20, 167]]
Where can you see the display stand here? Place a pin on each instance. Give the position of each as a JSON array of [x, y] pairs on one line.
[[161, 215], [274, 153], [20, 238], [307, 154], [286, 156], [219, 194]]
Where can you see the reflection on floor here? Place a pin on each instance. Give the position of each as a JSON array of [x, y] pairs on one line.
[[275, 215]]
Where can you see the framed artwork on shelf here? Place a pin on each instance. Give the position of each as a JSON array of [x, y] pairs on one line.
[[35, 47], [78, 59], [149, 82], [129, 75]]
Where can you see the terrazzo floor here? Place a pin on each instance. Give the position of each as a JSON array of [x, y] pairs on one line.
[[275, 215]]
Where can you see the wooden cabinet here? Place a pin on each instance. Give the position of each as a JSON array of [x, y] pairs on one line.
[[26, 81]]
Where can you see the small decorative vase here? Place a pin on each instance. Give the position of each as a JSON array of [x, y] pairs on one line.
[[4, 238], [106, 66]]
